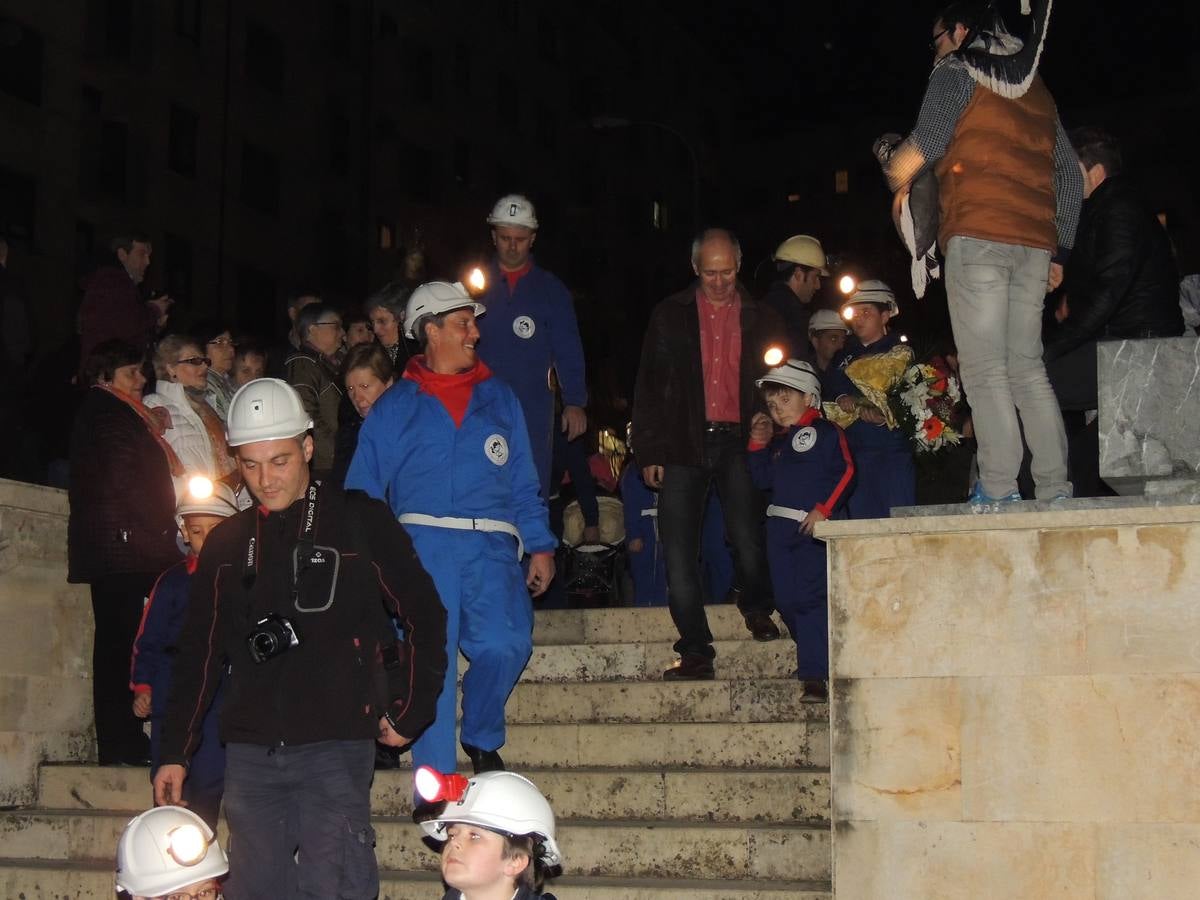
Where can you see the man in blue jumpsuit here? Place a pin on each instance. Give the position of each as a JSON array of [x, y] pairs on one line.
[[447, 447], [531, 329]]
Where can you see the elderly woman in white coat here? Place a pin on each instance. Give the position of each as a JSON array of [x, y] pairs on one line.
[[193, 429]]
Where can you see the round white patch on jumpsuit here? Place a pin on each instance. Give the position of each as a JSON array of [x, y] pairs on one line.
[[804, 439], [496, 448], [524, 327]]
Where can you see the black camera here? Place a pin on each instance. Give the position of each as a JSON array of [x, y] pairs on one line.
[[272, 635]]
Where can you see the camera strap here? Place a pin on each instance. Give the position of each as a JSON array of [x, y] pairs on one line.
[[307, 539]]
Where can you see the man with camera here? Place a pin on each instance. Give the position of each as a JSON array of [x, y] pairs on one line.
[[294, 596]]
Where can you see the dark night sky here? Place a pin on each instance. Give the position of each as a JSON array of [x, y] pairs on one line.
[[833, 60]]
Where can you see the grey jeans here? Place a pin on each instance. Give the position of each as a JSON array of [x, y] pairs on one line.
[[996, 293]]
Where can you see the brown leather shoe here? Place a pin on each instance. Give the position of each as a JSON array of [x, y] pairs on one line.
[[690, 667], [760, 625]]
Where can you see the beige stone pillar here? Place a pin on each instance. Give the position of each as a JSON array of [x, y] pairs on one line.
[[45, 642], [1016, 705]]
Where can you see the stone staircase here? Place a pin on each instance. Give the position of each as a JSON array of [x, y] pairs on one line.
[[700, 790]]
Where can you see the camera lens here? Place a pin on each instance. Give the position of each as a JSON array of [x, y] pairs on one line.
[[264, 644]]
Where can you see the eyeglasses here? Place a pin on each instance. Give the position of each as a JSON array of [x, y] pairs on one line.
[[222, 342], [937, 37], [195, 361], [211, 893]]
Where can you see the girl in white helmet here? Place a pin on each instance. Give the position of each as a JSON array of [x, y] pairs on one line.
[[498, 834], [169, 853]]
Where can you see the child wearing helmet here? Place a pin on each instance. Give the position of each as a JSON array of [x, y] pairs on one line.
[[497, 835], [170, 852], [805, 464], [204, 506], [886, 472]]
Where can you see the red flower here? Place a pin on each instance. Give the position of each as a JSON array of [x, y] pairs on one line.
[[939, 386], [933, 427]]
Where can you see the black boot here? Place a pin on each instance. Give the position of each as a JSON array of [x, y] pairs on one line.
[[484, 760]]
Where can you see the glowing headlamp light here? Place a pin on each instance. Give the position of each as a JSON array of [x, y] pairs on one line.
[[476, 280], [847, 284], [199, 487], [187, 844], [433, 786], [774, 356], [848, 313]]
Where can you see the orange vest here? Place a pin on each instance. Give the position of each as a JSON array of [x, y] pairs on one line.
[[996, 180]]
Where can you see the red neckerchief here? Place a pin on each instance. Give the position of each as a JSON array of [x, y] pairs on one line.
[[453, 390], [191, 563], [813, 412], [517, 274]]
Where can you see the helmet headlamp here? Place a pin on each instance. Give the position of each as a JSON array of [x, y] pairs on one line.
[[187, 844]]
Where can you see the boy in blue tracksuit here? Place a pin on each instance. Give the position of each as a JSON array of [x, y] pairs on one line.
[[204, 507], [529, 330], [447, 447], [808, 469], [886, 474]]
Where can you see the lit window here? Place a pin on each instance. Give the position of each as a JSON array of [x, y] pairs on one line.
[[841, 181]]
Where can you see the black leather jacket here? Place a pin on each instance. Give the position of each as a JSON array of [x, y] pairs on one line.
[[1121, 279]]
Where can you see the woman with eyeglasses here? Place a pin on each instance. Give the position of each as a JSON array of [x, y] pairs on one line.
[[385, 309], [192, 426], [217, 341]]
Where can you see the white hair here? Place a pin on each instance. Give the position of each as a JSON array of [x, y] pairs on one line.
[[708, 233]]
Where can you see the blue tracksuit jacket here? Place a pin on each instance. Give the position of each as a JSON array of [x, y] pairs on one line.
[[808, 466], [524, 335], [154, 651], [411, 454], [886, 475]]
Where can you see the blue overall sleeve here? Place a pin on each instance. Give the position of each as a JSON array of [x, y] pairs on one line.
[[761, 470], [529, 509], [154, 635], [370, 469], [566, 346]]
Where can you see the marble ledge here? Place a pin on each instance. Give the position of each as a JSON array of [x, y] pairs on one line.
[[33, 497], [1026, 516]]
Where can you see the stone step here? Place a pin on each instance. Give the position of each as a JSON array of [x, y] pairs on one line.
[[698, 795], [608, 848], [40, 880], [574, 663], [626, 624], [763, 700]]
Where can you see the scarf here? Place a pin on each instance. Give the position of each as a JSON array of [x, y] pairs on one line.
[[454, 391], [999, 60], [155, 427]]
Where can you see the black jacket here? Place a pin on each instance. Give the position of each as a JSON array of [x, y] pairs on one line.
[[794, 315], [349, 662], [668, 402], [121, 493], [1121, 280]]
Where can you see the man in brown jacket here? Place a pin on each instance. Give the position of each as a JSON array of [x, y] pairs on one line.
[[693, 402], [1010, 194]]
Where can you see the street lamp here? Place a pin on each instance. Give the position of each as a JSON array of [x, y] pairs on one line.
[[605, 123]]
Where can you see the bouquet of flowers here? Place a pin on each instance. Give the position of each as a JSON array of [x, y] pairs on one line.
[[875, 377], [927, 404]]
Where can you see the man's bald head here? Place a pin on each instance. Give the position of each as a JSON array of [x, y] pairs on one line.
[[716, 259]]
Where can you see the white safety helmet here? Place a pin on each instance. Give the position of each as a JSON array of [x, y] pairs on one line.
[[205, 497], [505, 802], [826, 320], [435, 298], [795, 373], [514, 209], [165, 849], [803, 250], [873, 291], [265, 409]]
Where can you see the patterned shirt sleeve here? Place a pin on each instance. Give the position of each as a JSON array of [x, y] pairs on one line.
[[1068, 190], [946, 97]]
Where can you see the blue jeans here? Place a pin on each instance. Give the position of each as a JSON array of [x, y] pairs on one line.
[[681, 505], [312, 797], [996, 294]]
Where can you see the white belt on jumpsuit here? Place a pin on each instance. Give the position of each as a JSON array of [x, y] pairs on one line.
[[459, 523], [786, 512]]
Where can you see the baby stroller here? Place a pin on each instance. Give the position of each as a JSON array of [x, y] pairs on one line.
[[592, 571]]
